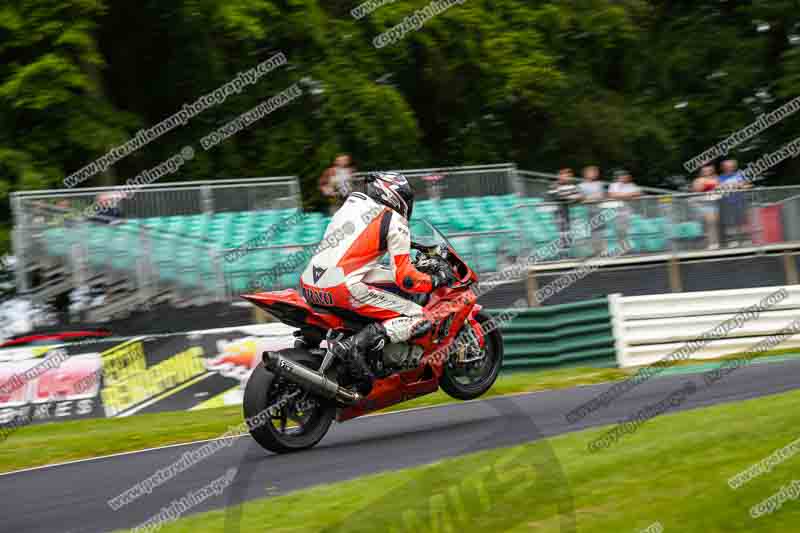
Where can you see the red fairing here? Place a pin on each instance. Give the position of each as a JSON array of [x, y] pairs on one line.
[[449, 308], [61, 336], [313, 317], [287, 296]]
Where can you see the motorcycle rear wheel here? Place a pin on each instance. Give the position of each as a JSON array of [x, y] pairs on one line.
[[310, 415], [467, 382]]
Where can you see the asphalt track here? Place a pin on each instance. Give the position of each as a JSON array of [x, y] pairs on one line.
[[72, 498]]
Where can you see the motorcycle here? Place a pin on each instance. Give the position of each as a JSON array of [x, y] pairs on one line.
[[295, 394]]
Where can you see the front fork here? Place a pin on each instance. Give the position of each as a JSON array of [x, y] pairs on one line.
[[476, 326]]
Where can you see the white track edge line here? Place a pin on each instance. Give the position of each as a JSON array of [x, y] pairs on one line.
[[401, 411], [167, 446]]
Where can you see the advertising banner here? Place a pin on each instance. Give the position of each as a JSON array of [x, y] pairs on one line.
[[145, 374]]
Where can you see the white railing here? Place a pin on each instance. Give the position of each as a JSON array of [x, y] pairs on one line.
[[701, 325]]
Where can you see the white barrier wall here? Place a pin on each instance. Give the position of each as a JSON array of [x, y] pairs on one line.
[[703, 325]]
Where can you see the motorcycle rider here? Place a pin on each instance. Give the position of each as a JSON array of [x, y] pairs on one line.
[[345, 272]]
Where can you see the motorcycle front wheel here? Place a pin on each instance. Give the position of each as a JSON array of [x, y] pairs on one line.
[[471, 380], [284, 417]]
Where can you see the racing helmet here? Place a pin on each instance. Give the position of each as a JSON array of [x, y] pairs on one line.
[[391, 189]]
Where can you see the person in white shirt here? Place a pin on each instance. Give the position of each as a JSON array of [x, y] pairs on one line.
[[591, 188], [623, 189], [594, 192]]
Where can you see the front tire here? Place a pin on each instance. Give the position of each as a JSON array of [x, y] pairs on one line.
[[469, 381], [310, 415]]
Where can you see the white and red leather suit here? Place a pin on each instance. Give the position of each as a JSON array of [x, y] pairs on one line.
[[345, 272]]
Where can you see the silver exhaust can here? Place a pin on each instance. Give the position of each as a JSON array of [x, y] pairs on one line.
[[310, 379]]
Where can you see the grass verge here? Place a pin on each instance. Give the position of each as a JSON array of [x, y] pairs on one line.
[[63, 441], [673, 471]]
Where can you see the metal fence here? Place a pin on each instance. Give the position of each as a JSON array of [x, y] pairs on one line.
[[43, 218], [169, 199], [666, 223], [147, 261], [652, 224], [536, 184], [459, 182]]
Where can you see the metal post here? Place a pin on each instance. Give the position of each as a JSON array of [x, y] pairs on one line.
[[790, 267], [221, 286], [294, 190], [754, 214], [208, 200], [79, 256], [19, 236], [675, 281], [144, 269], [671, 215], [532, 285], [515, 182]]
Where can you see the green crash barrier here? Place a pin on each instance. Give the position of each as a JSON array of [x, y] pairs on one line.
[[559, 335]]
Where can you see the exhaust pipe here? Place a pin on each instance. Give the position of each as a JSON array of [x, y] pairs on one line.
[[311, 379]]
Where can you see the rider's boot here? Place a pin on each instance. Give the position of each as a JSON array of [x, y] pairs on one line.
[[354, 350]]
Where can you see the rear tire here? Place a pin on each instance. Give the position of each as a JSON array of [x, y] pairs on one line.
[[264, 388], [486, 374]]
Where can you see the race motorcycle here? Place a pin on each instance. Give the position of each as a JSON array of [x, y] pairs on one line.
[[295, 394]]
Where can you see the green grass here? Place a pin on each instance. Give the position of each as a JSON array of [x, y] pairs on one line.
[[63, 441], [674, 470]]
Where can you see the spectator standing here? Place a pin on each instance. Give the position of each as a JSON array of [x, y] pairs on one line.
[[706, 181], [108, 203], [592, 189], [732, 204], [566, 193], [434, 185], [623, 189], [337, 181]]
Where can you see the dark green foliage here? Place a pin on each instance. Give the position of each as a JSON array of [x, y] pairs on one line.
[[544, 84]]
